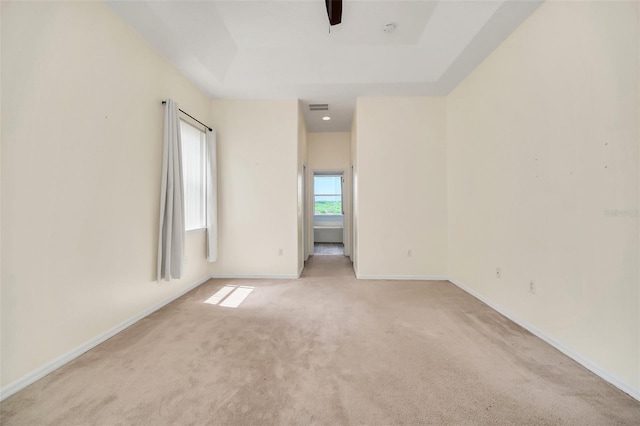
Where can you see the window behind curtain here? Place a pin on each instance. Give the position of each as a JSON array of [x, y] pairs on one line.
[[194, 155]]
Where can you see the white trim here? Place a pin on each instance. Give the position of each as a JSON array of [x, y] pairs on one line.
[[300, 271], [312, 210], [305, 213], [624, 386], [403, 277], [49, 367], [257, 276]]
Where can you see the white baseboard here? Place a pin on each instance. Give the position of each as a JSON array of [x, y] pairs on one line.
[[257, 276], [403, 277], [300, 271], [588, 364], [39, 373]]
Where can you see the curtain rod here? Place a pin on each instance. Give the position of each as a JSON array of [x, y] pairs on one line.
[[191, 116]]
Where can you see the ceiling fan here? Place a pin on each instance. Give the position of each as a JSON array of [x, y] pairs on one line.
[[334, 11]]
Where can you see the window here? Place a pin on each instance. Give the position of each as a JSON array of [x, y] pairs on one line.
[[328, 195], [194, 170]]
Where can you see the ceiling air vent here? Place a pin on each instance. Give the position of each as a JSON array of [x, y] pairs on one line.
[[319, 107]]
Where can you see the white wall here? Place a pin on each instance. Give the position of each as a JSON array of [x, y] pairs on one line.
[[1, 197], [543, 141], [81, 156], [331, 151], [258, 175], [401, 184]]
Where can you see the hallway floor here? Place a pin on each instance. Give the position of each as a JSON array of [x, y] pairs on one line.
[[328, 249]]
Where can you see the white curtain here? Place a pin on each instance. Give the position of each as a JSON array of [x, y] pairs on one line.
[[212, 198], [171, 233]]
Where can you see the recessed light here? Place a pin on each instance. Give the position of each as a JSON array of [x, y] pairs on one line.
[[326, 118]]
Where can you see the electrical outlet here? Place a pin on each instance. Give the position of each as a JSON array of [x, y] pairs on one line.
[[280, 252], [498, 273], [532, 287]]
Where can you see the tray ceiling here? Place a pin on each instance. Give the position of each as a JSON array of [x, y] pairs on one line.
[[275, 49]]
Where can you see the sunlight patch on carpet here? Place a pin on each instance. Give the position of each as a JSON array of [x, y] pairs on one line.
[[231, 296], [220, 294], [237, 297]]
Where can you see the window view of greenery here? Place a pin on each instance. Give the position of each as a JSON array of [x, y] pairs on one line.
[[328, 195], [328, 207]]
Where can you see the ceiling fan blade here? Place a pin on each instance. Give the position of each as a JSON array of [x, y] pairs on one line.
[[334, 11]]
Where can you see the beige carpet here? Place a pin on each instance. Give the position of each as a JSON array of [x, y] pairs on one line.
[[323, 350]]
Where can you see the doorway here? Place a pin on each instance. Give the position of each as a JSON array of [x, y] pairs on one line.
[[328, 213]]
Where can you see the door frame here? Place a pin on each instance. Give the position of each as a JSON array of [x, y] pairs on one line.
[[305, 212], [346, 208]]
